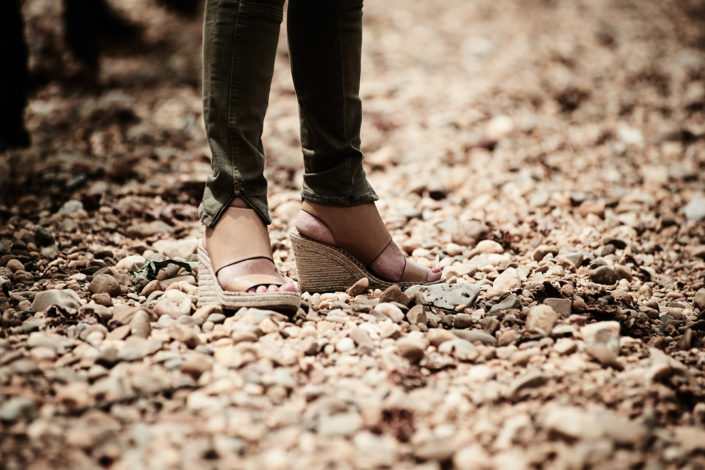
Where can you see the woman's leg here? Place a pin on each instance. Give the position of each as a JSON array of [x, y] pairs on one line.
[[239, 46], [325, 40]]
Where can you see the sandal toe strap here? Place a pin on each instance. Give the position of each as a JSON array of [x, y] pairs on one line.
[[244, 283], [414, 272]]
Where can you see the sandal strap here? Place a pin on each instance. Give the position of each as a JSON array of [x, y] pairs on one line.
[[239, 235], [357, 229], [413, 272], [244, 283]]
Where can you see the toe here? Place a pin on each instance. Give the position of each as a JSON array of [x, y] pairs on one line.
[[261, 289], [273, 288], [288, 287], [434, 274]]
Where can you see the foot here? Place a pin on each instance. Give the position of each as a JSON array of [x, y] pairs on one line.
[[389, 265], [253, 266]]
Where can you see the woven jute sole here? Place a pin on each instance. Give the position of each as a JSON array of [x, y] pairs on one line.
[[326, 268], [210, 292]]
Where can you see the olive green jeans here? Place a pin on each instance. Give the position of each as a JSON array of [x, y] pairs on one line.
[[239, 47]]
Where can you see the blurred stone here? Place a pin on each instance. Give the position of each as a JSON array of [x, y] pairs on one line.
[[64, 298]]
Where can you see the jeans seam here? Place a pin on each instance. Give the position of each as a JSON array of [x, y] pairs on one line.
[[231, 85], [342, 71]]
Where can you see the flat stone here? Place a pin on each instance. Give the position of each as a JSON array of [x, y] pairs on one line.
[[64, 298], [341, 424], [574, 259], [178, 249], [131, 262], [512, 301], [173, 303], [361, 337], [447, 296], [394, 294], [195, 365], [435, 449], [602, 342], [345, 345], [571, 422], [561, 306], [476, 335], [416, 315]]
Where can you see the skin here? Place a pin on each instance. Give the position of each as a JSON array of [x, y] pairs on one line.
[[388, 265]]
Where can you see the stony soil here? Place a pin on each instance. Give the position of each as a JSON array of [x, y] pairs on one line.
[[549, 156]]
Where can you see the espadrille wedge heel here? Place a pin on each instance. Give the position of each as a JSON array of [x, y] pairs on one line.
[[360, 236], [239, 235]]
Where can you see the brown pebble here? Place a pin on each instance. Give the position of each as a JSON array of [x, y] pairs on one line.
[[359, 287], [102, 299]]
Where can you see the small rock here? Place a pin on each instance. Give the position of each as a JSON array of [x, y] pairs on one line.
[[571, 422], [565, 346], [602, 341], [43, 237], [447, 296], [466, 232], [185, 335], [461, 349], [695, 209], [485, 246], [140, 324], [499, 127], [394, 294], [152, 286], [107, 357], [195, 365], [699, 299], [341, 424], [506, 282], [530, 380], [14, 265], [131, 262], [361, 338], [181, 249], [561, 306], [476, 335], [17, 409], [104, 284], [71, 207], [690, 438], [472, 457], [345, 345], [512, 301], [541, 319], [64, 298], [437, 336], [74, 396], [102, 299], [174, 303], [416, 315], [604, 275], [360, 287], [391, 311], [411, 348], [435, 449]]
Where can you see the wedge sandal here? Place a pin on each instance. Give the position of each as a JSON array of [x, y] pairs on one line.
[[239, 235], [360, 237]]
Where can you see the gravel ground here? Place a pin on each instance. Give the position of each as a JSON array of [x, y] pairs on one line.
[[547, 155]]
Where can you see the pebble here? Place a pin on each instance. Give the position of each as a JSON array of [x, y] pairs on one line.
[[476, 335], [64, 298], [173, 303], [411, 348], [461, 349], [14, 265], [131, 262], [699, 299], [18, 408], [195, 365], [510, 302], [530, 380], [565, 346], [140, 324], [178, 249], [345, 345], [604, 275], [573, 259], [360, 287], [602, 341], [394, 294], [437, 336], [361, 337], [185, 335], [152, 286], [416, 315], [104, 284], [471, 457], [506, 282], [559, 305], [391, 311], [341, 424], [695, 209], [541, 319], [447, 296]]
